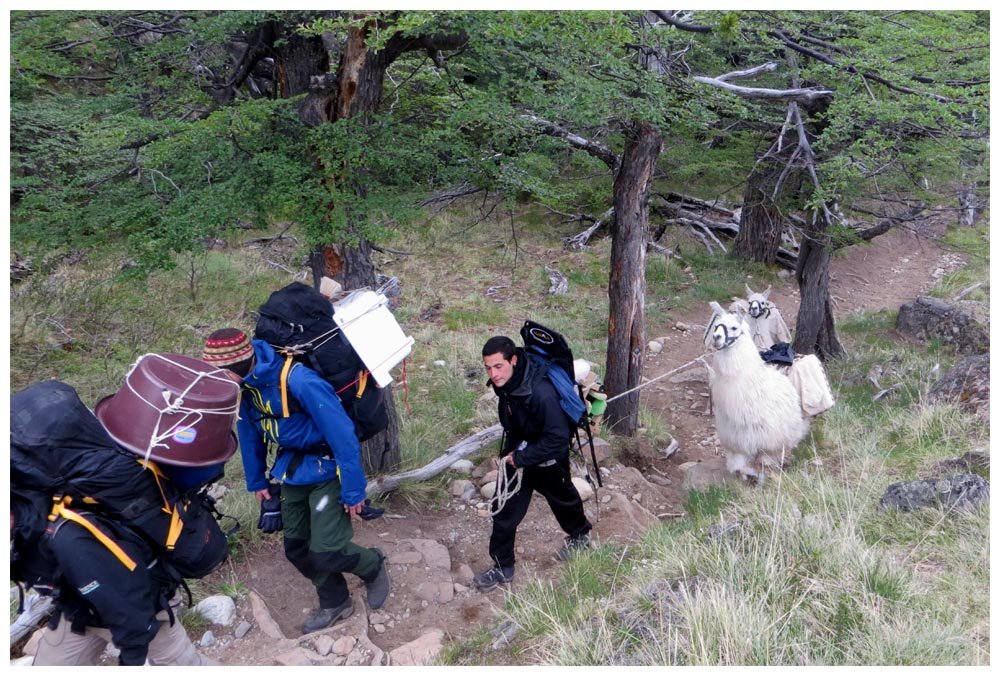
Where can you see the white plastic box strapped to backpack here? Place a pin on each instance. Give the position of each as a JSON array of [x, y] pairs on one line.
[[368, 324]]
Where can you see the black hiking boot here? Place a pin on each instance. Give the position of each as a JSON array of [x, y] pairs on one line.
[[327, 617], [378, 589], [573, 546], [493, 578]]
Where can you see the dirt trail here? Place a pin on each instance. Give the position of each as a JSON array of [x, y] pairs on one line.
[[894, 269]]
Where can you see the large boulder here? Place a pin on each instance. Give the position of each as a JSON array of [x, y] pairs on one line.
[[929, 318], [967, 384]]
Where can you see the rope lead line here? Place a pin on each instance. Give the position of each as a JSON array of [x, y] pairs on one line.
[[700, 358], [506, 487]]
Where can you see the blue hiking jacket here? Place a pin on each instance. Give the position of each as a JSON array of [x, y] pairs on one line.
[[322, 419]]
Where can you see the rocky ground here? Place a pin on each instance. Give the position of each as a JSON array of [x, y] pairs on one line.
[[434, 553]]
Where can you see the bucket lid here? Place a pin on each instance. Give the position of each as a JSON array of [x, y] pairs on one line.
[[175, 410]]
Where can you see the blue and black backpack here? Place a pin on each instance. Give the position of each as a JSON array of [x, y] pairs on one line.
[[549, 349]]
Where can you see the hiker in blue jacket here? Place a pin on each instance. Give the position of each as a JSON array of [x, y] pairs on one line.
[[537, 441], [314, 438]]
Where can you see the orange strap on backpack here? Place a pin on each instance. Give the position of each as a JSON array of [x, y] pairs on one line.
[[60, 508]]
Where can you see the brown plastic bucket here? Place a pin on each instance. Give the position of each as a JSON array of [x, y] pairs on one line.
[[174, 409]]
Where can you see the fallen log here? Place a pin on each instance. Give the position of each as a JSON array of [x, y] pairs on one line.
[[467, 446], [36, 609]]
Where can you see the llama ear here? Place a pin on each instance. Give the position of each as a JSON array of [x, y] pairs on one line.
[[716, 308], [766, 292], [749, 290]]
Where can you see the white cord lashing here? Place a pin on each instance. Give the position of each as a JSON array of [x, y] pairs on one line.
[[191, 417]]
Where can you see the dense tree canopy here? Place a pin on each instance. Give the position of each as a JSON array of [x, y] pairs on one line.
[[151, 130]]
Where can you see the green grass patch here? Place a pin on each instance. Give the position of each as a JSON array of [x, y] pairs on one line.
[[707, 504]]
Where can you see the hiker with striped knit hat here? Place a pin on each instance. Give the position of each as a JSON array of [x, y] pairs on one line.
[[318, 466]]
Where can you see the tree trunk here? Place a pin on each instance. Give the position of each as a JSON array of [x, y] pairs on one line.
[[627, 279], [299, 59], [815, 330], [760, 220], [355, 93], [359, 80]]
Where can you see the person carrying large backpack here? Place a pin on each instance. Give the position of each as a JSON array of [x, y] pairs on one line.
[[318, 465], [537, 441], [120, 593], [83, 512]]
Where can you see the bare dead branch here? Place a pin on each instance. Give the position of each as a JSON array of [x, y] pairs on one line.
[[591, 147], [579, 242], [966, 291], [668, 15], [273, 238], [802, 95], [384, 249], [449, 196], [750, 72], [812, 53], [890, 222], [463, 448]]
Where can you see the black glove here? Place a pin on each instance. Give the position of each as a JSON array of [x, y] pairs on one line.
[[368, 512], [270, 511]]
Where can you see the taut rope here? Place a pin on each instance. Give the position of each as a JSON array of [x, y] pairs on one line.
[[699, 358]]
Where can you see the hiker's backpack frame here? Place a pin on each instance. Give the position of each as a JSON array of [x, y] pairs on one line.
[[297, 321], [551, 349]]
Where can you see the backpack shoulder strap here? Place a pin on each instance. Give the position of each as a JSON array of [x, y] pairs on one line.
[[286, 371], [289, 404], [61, 510]]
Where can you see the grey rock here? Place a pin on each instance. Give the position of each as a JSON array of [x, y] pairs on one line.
[[968, 463], [344, 645], [967, 384], [720, 530], [464, 465], [504, 633], [961, 491], [218, 609], [421, 651], [323, 645], [928, 318], [459, 487], [207, 639], [243, 629]]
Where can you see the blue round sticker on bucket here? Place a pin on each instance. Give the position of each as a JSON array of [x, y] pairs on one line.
[[185, 436]]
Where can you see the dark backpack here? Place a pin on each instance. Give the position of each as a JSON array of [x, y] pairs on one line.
[[297, 320], [549, 350], [60, 450]]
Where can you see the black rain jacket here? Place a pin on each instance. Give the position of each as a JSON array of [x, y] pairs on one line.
[[530, 412], [93, 588]]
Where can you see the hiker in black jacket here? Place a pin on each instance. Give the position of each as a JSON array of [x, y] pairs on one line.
[[116, 590], [536, 445]]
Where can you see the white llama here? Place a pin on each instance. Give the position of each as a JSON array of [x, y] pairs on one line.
[[767, 326], [757, 413]]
